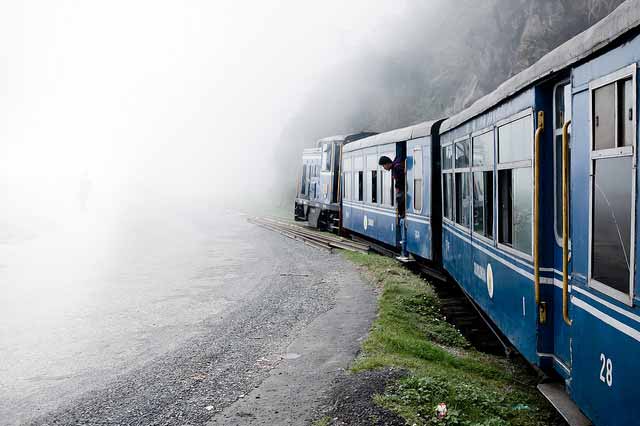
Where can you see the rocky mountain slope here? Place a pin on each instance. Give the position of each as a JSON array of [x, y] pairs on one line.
[[432, 65]]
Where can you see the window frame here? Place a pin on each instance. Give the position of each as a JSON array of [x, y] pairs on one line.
[[629, 71], [558, 132], [388, 198], [303, 185], [521, 164], [374, 180], [417, 148], [444, 172], [370, 165], [462, 170], [347, 177], [330, 157], [358, 166], [490, 168]]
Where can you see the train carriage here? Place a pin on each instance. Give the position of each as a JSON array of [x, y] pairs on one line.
[[556, 274], [308, 186], [320, 204], [368, 202], [368, 205]]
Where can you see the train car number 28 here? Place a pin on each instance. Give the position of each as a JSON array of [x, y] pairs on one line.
[[606, 370]]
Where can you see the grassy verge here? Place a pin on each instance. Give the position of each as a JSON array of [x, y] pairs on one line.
[[411, 333]]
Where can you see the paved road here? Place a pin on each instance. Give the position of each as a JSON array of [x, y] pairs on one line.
[[174, 322]]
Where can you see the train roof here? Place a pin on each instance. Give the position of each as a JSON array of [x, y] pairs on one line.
[[345, 138], [312, 151], [398, 135], [622, 20]]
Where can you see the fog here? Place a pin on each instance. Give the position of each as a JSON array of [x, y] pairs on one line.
[[134, 133], [106, 105], [131, 135]]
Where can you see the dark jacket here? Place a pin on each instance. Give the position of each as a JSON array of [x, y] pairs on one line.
[[397, 171]]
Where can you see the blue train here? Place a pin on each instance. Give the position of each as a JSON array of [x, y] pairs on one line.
[[318, 189], [528, 200]]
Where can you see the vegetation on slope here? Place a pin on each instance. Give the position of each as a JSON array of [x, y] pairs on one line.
[[410, 333]]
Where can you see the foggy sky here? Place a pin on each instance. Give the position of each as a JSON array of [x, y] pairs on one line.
[[160, 99]]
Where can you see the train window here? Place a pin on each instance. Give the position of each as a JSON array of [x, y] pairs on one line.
[[604, 99], [447, 182], [613, 115], [346, 194], [483, 150], [462, 154], [514, 141], [611, 255], [515, 185], [346, 173], [343, 186], [447, 157], [613, 122], [447, 189], [483, 203], [385, 185], [417, 179], [326, 157], [360, 185], [625, 108], [463, 199], [462, 183], [515, 208], [482, 175], [562, 113], [303, 185], [374, 186]]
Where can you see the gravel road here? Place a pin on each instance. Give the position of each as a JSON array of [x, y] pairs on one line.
[[255, 333]]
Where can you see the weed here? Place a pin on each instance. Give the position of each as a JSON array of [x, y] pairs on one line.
[[325, 421], [411, 333]]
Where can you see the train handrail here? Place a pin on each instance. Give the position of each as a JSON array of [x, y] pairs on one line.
[[565, 223], [536, 208]]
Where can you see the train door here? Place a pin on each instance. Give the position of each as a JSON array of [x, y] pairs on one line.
[[604, 311], [559, 301]]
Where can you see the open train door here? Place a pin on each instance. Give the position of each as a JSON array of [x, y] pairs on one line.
[[552, 251]]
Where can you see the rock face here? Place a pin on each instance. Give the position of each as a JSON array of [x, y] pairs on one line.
[[439, 58]]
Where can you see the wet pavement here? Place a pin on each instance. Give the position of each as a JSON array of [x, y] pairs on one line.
[[173, 320]]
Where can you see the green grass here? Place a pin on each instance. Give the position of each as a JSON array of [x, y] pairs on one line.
[[325, 421], [411, 333]]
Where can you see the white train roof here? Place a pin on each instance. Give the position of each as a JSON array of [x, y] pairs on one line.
[[398, 135]]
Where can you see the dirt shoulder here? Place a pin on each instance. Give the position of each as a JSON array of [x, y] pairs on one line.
[[309, 367]]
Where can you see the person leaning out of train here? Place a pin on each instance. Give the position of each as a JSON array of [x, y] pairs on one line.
[[397, 172]]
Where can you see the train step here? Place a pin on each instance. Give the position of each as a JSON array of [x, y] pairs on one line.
[[558, 397]]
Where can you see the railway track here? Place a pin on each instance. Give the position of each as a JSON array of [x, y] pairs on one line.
[[309, 236], [459, 309]]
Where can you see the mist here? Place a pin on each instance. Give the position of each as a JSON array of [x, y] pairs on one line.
[[138, 103], [431, 60], [135, 137]]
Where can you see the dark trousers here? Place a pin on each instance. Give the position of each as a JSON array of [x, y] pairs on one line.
[[400, 202]]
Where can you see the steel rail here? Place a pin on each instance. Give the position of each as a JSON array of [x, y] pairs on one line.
[[318, 234], [298, 233]]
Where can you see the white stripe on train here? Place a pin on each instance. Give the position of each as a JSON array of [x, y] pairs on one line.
[[545, 280]]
